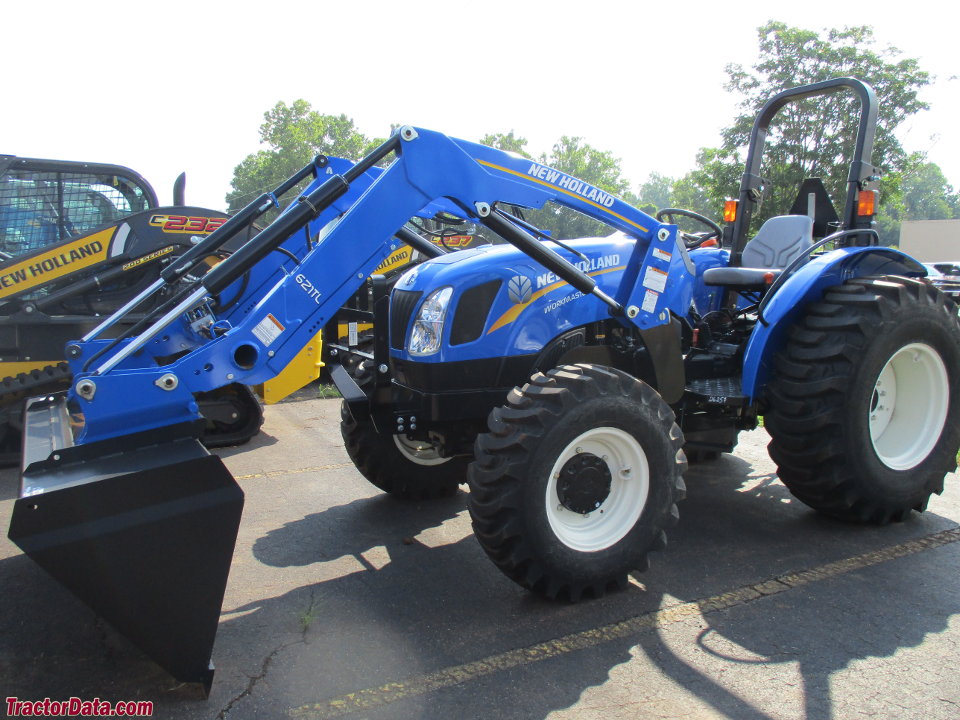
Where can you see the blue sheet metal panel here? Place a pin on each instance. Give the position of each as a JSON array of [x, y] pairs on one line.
[[705, 297], [533, 305], [805, 286]]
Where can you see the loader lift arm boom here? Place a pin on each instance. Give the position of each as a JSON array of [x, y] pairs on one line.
[[429, 168]]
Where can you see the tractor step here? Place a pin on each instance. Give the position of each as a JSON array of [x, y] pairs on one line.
[[726, 391]]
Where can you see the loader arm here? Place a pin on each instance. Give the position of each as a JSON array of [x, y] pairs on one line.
[[270, 329]]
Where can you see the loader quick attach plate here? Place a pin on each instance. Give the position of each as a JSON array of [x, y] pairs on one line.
[[143, 532]]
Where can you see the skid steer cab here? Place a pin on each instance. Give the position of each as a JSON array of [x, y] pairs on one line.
[[562, 379]]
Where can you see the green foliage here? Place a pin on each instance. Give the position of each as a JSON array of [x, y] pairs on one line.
[[812, 138], [655, 193], [926, 193], [294, 134], [918, 192], [507, 142]]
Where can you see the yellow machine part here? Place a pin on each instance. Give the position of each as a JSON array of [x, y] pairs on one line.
[[299, 372], [12, 369]]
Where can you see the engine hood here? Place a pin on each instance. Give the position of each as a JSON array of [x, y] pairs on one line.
[[503, 303]]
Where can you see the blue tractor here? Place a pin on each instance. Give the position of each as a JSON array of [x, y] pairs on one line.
[[566, 416], [565, 381]]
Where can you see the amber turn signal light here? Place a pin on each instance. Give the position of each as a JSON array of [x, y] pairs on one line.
[[730, 210], [866, 203]]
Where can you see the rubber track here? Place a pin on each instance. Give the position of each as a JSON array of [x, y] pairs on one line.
[[46, 379]]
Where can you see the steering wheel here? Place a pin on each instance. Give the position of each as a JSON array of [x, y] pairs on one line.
[[690, 240]]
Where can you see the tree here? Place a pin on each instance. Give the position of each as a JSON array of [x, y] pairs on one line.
[[655, 193], [921, 193], [815, 137], [294, 134], [927, 195], [507, 142]]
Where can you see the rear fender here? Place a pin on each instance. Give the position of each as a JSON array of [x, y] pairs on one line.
[[806, 286]]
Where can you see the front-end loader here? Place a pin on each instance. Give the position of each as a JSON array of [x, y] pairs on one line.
[[560, 379]]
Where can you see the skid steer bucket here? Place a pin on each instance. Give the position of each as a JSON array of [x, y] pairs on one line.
[[142, 529]]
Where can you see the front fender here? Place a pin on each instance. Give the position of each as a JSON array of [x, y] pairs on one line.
[[805, 286]]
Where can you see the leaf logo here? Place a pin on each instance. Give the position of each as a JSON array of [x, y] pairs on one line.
[[520, 289]]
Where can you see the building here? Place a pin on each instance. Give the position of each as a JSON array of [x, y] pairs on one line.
[[931, 240]]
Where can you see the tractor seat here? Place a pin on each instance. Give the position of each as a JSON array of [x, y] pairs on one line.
[[779, 242]]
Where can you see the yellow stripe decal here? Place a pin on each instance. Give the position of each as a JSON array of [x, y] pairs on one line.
[[530, 178], [370, 698], [510, 315]]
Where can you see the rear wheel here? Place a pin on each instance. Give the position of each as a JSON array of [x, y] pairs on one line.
[[865, 418], [576, 481]]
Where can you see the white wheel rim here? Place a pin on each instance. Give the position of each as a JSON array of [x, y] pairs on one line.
[[619, 511], [908, 407], [420, 452]]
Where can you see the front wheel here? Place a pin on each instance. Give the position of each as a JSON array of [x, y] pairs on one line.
[[865, 416], [406, 468], [576, 481]]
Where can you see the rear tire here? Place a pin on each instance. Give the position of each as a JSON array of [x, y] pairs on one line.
[[408, 469], [865, 418], [576, 480]]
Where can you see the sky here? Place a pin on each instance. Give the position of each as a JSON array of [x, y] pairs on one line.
[[170, 87]]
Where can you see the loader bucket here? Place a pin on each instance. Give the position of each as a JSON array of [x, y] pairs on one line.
[[140, 529]]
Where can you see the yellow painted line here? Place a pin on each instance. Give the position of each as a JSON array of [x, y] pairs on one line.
[[531, 178], [513, 313], [275, 473], [459, 674]]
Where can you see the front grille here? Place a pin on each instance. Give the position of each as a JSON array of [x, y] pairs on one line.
[[402, 305], [472, 309]]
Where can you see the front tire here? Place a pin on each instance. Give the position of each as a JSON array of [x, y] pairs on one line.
[[865, 418], [576, 481]]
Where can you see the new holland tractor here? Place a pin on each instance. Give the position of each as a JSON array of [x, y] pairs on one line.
[[562, 380]]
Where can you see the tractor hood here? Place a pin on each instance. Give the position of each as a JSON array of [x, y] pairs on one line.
[[495, 301]]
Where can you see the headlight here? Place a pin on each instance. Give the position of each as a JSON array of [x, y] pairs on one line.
[[428, 327]]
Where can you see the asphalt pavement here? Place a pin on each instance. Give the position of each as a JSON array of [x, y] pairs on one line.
[[344, 602]]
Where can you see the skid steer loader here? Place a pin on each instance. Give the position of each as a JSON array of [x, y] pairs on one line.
[[77, 240], [560, 379]]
